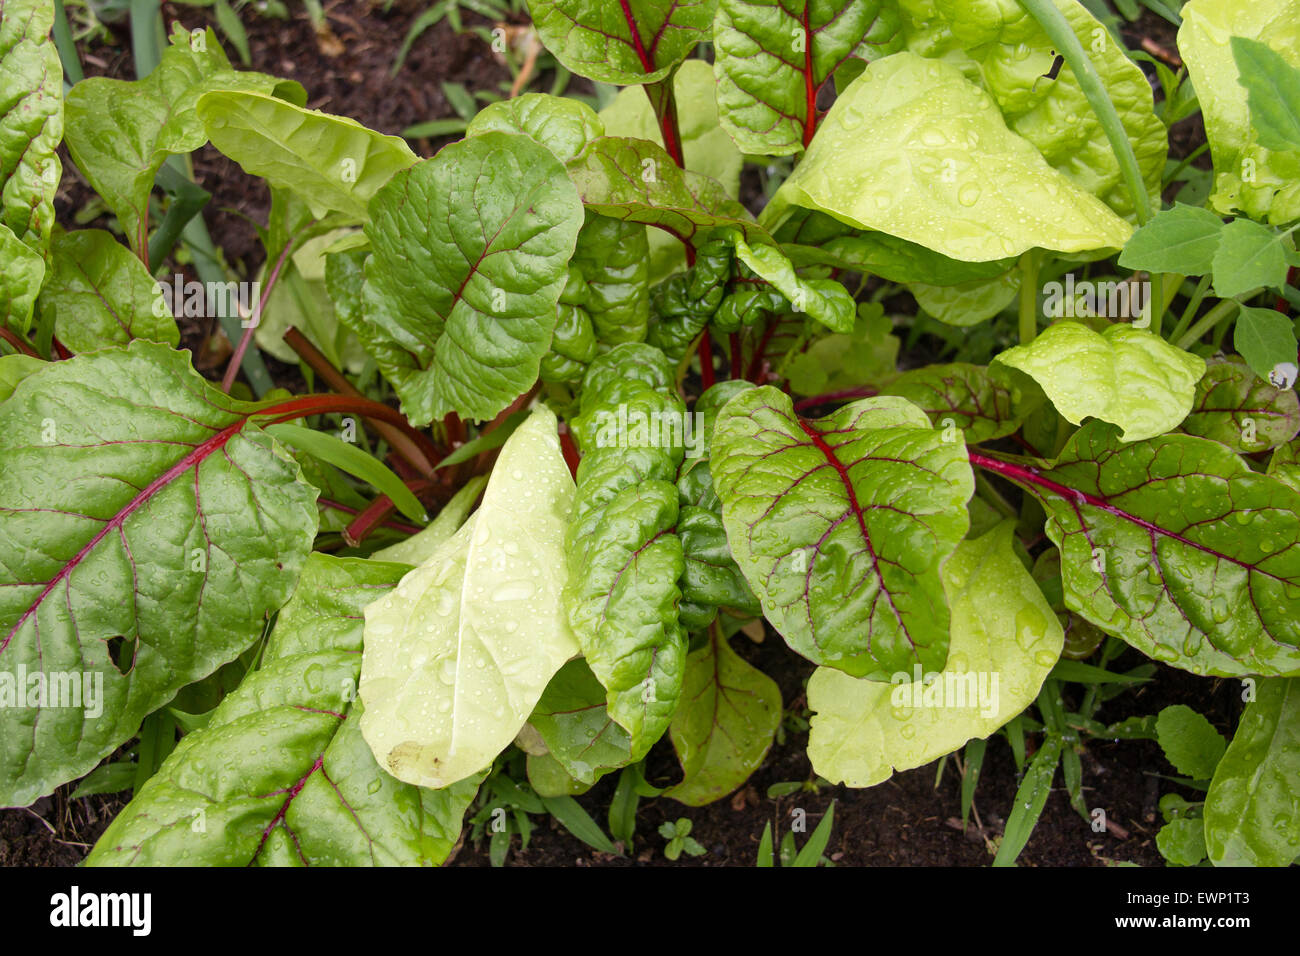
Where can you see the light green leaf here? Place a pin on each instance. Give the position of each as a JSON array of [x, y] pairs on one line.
[[280, 775], [1182, 842], [15, 368], [1005, 641], [1266, 339], [1252, 811], [1249, 177], [564, 126], [967, 303], [1250, 256], [137, 504], [632, 41], [867, 356], [772, 59], [725, 724], [20, 282], [330, 162], [841, 525], [825, 300], [31, 126], [983, 405], [471, 252], [1272, 92], [573, 720], [1124, 375], [1189, 741], [121, 132], [458, 655], [897, 154], [1235, 406], [1176, 546], [101, 295], [1181, 240], [418, 547]]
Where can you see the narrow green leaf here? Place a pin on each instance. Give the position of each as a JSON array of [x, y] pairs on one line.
[[570, 815], [1031, 797]]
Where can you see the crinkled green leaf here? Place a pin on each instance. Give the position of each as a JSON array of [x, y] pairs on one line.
[[1002, 44], [772, 59], [1272, 92], [914, 149], [631, 41], [182, 530], [983, 405], [331, 162], [1252, 811], [20, 282], [613, 257], [725, 723], [1174, 545], [102, 295], [564, 126], [575, 724], [1235, 406], [1189, 741], [1181, 240], [841, 525], [471, 250], [625, 558], [280, 774], [1249, 257], [825, 300], [635, 180], [1124, 375], [1005, 641], [1248, 177], [120, 132], [458, 655], [1266, 339], [31, 124]]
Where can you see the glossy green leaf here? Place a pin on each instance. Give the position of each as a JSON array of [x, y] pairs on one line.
[[564, 126], [1252, 811], [458, 655], [725, 723], [280, 774], [1181, 240], [418, 547], [1249, 177], [1235, 406], [120, 132], [575, 724], [841, 525], [1124, 375], [1174, 545], [1285, 464], [31, 125], [1029, 801], [1005, 641], [632, 41], [772, 60], [613, 257], [983, 405], [179, 534], [897, 154], [19, 282], [825, 300], [332, 163], [101, 295], [1189, 741], [470, 255], [15, 368], [1182, 842]]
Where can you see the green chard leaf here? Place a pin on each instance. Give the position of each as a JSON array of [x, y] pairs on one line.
[[31, 127], [1005, 641], [418, 547], [1235, 406], [984, 406], [1124, 375], [564, 126], [1249, 177], [15, 368], [120, 132], [470, 257], [918, 175], [20, 281], [725, 723], [574, 722], [772, 60], [1252, 817], [290, 731], [458, 655], [102, 295], [632, 41], [1174, 545], [176, 538], [841, 525]]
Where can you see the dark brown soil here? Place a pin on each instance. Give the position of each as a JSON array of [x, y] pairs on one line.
[[914, 818]]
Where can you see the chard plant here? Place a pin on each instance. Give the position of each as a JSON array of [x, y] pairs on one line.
[[644, 418]]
